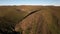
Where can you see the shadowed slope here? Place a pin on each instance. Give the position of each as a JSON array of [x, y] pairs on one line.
[[9, 17]]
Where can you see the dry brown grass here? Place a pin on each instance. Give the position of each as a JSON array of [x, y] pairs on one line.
[[44, 21], [41, 22]]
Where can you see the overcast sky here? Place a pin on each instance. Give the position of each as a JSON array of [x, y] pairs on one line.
[[29, 2]]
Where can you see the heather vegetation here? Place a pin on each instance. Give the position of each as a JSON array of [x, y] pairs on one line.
[[29, 20], [9, 17]]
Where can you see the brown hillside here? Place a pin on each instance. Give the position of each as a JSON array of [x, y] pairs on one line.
[[9, 17], [30, 19], [44, 21]]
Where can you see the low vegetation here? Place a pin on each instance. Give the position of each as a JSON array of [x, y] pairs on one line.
[[29, 20]]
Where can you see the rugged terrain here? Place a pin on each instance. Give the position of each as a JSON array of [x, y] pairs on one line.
[[30, 19]]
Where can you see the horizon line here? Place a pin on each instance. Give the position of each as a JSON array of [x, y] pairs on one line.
[[28, 4]]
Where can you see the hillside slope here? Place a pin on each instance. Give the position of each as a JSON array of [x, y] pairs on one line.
[[9, 17], [30, 19], [44, 21]]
